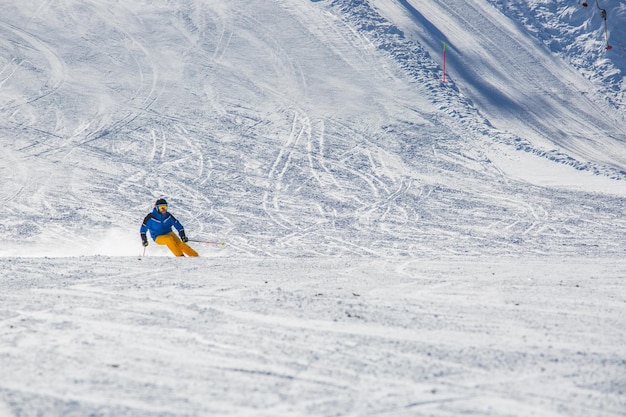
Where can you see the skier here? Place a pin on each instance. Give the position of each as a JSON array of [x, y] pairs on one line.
[[160, 222]]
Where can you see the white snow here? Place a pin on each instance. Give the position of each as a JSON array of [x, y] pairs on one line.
[[394, 245]]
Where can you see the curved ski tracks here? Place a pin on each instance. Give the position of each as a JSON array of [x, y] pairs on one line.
[[340, 336]]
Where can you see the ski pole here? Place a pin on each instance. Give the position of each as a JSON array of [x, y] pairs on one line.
[[207, 242], [143, 255]]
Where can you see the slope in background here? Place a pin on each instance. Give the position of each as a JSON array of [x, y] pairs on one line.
[[328, 134], [291, 129], [544, 96]]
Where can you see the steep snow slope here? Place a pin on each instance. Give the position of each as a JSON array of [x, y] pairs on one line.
[[522, 86], [395, 246], [328, 133]]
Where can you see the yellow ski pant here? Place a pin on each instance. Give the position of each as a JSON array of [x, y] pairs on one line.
[[177, 246]]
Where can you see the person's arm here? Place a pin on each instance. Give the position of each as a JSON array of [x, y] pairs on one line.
[[180, 228], [143, 230]]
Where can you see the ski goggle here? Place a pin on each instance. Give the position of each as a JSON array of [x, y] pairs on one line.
[[162, 207]]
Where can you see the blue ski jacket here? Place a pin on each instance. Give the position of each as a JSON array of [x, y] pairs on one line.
[[159, 224]]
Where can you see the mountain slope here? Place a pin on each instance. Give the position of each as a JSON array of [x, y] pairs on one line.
[[396, 246], [330, 133], [519, 85]]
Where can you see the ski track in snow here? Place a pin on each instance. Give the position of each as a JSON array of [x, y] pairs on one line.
[[330, 337], [395, 246]]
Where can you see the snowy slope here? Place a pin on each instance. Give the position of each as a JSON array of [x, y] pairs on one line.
[[395, 245], [331, 128], [523, 86], [312, 337]]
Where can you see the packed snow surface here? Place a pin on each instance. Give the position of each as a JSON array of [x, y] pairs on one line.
[[396, 242]]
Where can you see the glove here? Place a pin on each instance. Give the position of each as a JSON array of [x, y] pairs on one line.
[[183, 237], [144, 240]]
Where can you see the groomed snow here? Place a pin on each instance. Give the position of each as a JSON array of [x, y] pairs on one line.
[[394, 245], [296, 337]]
